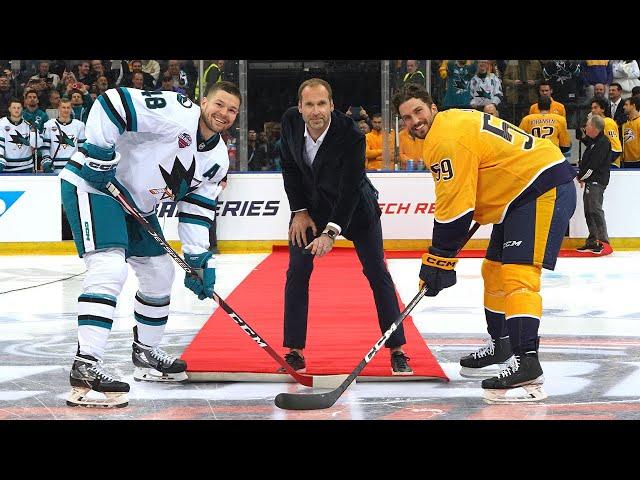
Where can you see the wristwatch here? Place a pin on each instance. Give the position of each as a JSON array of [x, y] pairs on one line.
[[331, 233]]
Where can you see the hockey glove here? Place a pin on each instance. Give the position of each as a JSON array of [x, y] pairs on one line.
[[437, 271], [47, 165], [98, 166], [204, 283]]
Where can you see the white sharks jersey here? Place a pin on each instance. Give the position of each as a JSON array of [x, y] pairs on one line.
[[61, 140], [162, 157], [17, 142]]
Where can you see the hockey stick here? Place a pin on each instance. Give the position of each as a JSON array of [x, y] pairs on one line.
[[325, 381], [317, 401]]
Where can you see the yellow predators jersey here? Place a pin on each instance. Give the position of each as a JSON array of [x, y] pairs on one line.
[[631, 140], [611, 131], [482, 163], [547, 125]]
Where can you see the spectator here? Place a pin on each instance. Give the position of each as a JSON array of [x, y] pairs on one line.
[[178, 77], [364, 127], [168, 85], [594, 177], [458, 74], [83, 73], [631, 133], [599, 107], [100, 86], [5, 95], [257, 156], [546, 90], [562, 76], [54, 103], [485, 87], [548, 125], [491, 109], [521, 79], [31, 113], [374, 142], [357, 113], [152, 68], [137, 80], [214, 73], [414, 75], [596, 71], [616, 104], [13, 84], [147, 80], [17, 142], [39, 85], [273, 130], [410, 148], [81, 102], [50, 79], [627, 74]]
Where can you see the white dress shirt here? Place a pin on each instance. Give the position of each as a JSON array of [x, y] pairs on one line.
[[309, 153]]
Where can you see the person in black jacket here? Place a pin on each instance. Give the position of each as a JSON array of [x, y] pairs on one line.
[[594, 177], [323, 167]]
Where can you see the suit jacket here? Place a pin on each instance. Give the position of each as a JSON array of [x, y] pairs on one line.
[[335, 189], [620, 117]]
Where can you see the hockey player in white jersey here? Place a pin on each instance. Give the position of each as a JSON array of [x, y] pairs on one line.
[[61, 138], [151, 146], [17, 141]]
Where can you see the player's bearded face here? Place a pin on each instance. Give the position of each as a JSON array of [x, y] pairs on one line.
[[220, 110], [417, 116]]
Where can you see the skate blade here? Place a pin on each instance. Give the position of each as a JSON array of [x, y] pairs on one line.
[[79, 398], [533, 392], [153, 375], [484, 372]]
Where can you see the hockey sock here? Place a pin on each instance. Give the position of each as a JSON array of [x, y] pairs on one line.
[[95, 318], [151, 316]]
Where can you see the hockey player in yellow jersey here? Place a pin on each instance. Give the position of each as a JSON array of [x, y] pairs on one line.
[[631, 133], [598, 107], [488, 170], [548, 125]]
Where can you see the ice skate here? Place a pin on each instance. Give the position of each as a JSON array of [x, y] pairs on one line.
[[154, 365], [488, 360], [87, 375], [522, 371]]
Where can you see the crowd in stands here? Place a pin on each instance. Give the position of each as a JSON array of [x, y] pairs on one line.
[[543, 97]]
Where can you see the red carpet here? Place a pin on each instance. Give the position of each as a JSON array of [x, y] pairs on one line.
[[481, 253], [342, 326]]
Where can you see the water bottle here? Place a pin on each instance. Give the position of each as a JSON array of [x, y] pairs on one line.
[[409, 164], [420, 164]]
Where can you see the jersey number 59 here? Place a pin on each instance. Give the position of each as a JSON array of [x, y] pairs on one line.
[[443, 170]]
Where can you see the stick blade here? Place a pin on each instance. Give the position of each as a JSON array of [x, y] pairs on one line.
[[329, 381], [313, 401]]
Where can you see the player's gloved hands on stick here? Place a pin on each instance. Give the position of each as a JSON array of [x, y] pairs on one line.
[[201, 286], [437, 270], [98, 165]]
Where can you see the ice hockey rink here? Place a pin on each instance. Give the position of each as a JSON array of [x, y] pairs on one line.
[[590, 347]]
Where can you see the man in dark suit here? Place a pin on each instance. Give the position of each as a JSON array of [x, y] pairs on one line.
[[616, 104], [323, 167]]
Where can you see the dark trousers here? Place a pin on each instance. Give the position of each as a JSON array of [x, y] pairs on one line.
[[368, 244], [593, 198]]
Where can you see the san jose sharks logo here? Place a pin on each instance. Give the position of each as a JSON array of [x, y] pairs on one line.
[[65, 140], [178, 181], [19, 140]]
